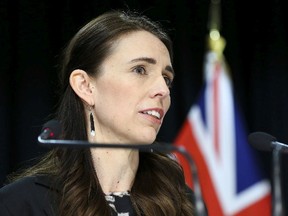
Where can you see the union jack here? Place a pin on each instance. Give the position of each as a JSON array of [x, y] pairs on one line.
[[231, 179]]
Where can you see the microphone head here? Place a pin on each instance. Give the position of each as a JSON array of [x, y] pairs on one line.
[[54, 128], [261, 141]]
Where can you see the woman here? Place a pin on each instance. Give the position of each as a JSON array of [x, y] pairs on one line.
[[115, 85]]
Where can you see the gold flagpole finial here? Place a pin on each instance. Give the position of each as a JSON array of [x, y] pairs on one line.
[[216, 42]]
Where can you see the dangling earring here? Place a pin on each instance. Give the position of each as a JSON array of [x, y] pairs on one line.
[[92, 127]]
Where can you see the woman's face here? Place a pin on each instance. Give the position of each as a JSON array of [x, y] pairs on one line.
[[132, 92]]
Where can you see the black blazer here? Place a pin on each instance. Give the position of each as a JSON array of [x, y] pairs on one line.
[[28, 196], [33, 196]]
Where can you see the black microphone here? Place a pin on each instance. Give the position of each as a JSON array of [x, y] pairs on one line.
[[51, 130], [50, 138], [266, 142]]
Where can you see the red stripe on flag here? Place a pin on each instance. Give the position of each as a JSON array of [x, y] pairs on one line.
[[261, 207]]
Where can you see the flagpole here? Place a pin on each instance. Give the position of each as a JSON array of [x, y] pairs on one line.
[[216, 42], [214, 20]]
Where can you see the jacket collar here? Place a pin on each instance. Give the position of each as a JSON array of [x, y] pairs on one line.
[[47, 181]]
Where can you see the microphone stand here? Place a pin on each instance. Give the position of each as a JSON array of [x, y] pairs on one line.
[[199, 204], [277, 195]]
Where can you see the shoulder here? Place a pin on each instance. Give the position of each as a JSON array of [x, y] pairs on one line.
[[26, 187], [28, 196]]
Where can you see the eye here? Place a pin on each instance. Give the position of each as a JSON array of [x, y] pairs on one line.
[[168, 81], [139, 70]]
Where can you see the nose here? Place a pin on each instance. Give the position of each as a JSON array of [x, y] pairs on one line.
[[160, 88]]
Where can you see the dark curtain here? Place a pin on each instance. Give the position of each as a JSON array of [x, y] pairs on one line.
[[33, 32]]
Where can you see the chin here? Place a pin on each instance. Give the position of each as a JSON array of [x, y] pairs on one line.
[[145, 135], [148, 138]]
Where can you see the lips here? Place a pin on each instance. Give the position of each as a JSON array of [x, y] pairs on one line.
[[155, 113]]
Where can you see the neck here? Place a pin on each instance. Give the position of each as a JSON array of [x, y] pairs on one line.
[[115, 168]]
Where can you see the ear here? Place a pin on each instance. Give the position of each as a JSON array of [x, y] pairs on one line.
[[82, 86]]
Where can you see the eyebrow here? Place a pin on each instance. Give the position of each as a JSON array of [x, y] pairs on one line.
[[152, 61]]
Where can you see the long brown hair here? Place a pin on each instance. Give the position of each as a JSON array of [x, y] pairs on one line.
[[80, 191]]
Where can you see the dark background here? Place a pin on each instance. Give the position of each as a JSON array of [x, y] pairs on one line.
[[33, 32]]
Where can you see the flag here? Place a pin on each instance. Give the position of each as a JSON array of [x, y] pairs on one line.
[[213, 133]]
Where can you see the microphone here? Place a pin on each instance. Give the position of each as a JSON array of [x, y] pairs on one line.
[[52, 130], [266, 142]]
